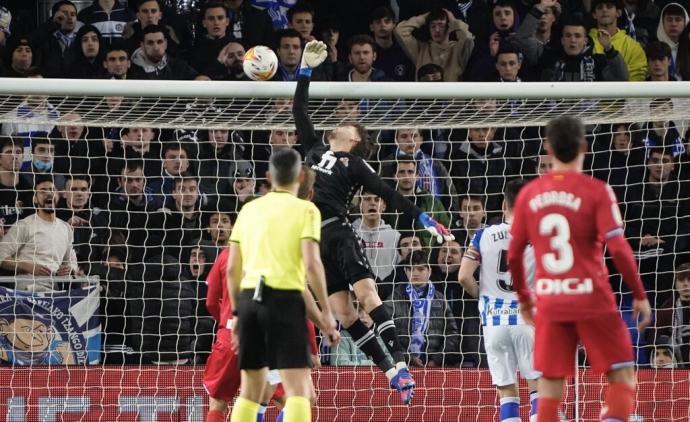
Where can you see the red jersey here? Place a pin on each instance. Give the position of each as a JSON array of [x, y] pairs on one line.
[[568, 217], [218, 300]]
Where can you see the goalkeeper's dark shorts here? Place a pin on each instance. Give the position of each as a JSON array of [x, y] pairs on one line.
[[273, 333], [343, 255]]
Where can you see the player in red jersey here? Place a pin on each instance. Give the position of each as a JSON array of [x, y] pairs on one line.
[[568, 217], [222, 373]]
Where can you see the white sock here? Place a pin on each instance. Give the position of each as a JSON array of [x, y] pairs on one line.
[[391, 373], [400, 365]]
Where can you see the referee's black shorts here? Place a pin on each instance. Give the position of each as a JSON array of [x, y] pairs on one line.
[[342, 254], [273, 333]]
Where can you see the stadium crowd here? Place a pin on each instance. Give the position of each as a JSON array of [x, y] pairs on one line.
[[148, 210]]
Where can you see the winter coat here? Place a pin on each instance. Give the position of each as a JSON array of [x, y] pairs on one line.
[[632, 52], [442, 337]]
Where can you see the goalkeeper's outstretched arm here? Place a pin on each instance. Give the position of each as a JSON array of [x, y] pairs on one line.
[[314, 54]]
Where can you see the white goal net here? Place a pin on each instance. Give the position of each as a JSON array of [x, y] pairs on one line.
[[103, 311]]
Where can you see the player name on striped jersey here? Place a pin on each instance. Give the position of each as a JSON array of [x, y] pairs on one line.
[[545, 199], [498, 304]]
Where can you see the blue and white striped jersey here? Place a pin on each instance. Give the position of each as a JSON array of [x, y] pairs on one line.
[[498, 303]]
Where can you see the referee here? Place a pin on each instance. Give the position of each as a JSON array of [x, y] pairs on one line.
[[273, 249]]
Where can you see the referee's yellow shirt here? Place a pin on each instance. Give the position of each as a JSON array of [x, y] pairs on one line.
[[269, 231]]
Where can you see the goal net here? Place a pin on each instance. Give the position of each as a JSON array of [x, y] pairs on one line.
[[103, 312]]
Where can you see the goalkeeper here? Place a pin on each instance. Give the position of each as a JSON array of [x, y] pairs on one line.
[[340, 173]]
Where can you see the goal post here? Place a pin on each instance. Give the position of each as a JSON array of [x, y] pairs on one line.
[[140, 139]]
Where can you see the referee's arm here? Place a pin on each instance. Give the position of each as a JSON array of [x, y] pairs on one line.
[[234, 273]]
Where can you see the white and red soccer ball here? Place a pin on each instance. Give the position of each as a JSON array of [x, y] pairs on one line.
[[260, 63]]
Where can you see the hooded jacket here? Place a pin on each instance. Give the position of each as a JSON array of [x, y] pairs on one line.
[[632, 52], [452, 57], [662, 36], [82, 67], [380, 245]]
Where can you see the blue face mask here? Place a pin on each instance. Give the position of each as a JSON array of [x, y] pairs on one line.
[[43, 166]]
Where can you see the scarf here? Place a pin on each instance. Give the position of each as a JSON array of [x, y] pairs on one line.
[[65, 40], [586, 70], [419, 318], [677, 325]]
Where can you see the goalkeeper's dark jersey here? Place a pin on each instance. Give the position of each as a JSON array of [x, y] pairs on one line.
[[339, 175]]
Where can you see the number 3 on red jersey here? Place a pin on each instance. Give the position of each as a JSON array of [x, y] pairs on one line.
[[556, 227]]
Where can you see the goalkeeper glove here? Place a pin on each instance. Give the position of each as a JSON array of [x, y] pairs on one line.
[[315, 52], [438, 230]]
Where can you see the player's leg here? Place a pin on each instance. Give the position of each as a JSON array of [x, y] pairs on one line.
[[503, 364], [523, 346], [221, 376], [297, 385], [364, 337], [247, 405], [288, 351], [253, 357], [365, 291], [554, 353], [609, 350]]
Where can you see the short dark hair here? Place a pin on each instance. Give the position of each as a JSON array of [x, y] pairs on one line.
[[285, 166], [662, 150], [428, 69], [511, 191], [437, 14], [565, 135], [42, 178], [286, 33], [39, 140], [504, 3], [361, 39], [141, 2], [381, 12], [575, 21], [213, 4], [404, 159], [6, 141], [185, 177], [418, 258], [132, 165], [300, 7], [617, 3], [61, 3], [673, 9], [116, 46], [657, 50], [509, 46], [682, 272], [72, 177], [152, 29], [174, 146], [472, 197]]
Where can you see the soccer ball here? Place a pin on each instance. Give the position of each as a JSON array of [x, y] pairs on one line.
[[260, 63]]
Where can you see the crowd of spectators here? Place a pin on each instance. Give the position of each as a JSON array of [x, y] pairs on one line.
[[147, 210]]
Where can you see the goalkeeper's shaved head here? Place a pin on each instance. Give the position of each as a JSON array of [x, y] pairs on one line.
[[285, 166], [566, 137]]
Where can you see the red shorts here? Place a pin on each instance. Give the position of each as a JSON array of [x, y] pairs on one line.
[[222, 373], [605, 337]]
